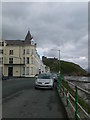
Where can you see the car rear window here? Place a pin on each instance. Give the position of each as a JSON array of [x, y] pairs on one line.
[[41, 76]]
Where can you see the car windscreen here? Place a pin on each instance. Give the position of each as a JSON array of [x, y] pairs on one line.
[[44, 76], [54, 75]]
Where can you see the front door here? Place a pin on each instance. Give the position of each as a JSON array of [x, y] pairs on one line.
[[10, 71]]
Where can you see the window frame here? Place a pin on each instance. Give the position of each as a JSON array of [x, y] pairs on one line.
[[32, 60], [31, 70], [11, 60], [23, 60], [27, 51], [24, 52], [27, 60], [32, 51], [1, 51], [27, 71], [10, 52]]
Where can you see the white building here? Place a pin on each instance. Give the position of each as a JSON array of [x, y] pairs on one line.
[[20, 58], [40, 65]]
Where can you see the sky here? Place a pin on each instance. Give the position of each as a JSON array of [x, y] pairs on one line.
[[54, 26]]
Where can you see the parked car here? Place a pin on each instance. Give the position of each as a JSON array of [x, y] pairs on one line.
[[44, 81]]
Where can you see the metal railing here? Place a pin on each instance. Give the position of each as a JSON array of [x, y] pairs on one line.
[[72, 97]]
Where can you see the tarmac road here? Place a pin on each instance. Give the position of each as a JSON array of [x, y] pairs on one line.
[[28, 102]]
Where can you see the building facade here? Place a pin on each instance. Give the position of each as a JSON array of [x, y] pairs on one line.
[[20, 58], [2, 44], [41, 68]]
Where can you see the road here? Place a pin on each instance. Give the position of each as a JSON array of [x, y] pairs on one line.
[[21, 100]]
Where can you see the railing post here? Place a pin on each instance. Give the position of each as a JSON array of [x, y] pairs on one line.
[[59, 82], [63, 88], [76, 102], [67, 95]]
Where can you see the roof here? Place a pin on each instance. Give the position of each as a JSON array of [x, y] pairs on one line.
[[14, 42], [27, 40], [28, 36]]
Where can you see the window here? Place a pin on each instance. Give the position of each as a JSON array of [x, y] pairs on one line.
[[23, 70], [24, 51], [27, 60], [1, 51], [32, 42], [27, 70], [11, 52], [2, 43], [31, 51], [10, 60], [27, 51], [31, 60], [31, 70], [23, 60]]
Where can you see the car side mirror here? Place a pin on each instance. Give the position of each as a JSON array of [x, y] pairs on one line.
[[36, 76]]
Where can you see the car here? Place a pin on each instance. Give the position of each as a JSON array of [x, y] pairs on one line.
[[44, 81], [54, 76]]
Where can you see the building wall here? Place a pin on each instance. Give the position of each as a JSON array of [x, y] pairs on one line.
[[2, 44], [18, 60], [40, 65]]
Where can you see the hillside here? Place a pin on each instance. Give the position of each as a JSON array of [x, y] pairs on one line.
[[67, 68]]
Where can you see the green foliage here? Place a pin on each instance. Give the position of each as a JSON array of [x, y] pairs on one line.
[[67, 68]]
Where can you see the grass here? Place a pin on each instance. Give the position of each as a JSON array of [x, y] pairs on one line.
[[67, 68], [81, 101]]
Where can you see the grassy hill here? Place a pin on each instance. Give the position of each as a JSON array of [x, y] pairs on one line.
[[67, 68]]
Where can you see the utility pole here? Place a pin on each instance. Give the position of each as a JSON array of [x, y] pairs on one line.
[[59, 61]]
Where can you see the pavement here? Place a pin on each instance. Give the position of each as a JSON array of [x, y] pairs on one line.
[[22, 100]]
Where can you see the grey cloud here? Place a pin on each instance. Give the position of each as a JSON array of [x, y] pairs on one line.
[[53, 25]]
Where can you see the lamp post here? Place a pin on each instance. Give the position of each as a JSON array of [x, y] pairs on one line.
[[59, 59]]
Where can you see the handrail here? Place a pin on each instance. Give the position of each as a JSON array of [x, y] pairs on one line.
[[64, 89], [71, 83], [84, 81], [83, 90], [72, 97], [74, 109], [83, 110]]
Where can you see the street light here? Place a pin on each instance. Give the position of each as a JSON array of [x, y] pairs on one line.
[[59, 58]]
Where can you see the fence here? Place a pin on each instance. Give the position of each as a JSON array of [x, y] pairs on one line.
[[79, 106]]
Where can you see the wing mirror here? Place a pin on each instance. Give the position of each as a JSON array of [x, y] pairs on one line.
[[36, 76]]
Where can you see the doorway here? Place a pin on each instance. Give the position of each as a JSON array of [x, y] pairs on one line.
[[10, 71]]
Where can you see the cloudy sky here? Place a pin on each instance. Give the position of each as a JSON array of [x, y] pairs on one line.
[[53, 25]]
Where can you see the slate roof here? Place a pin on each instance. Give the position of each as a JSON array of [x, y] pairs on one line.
[[27, 40]]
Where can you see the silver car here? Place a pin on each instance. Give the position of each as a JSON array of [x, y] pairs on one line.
[[44, 81]]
